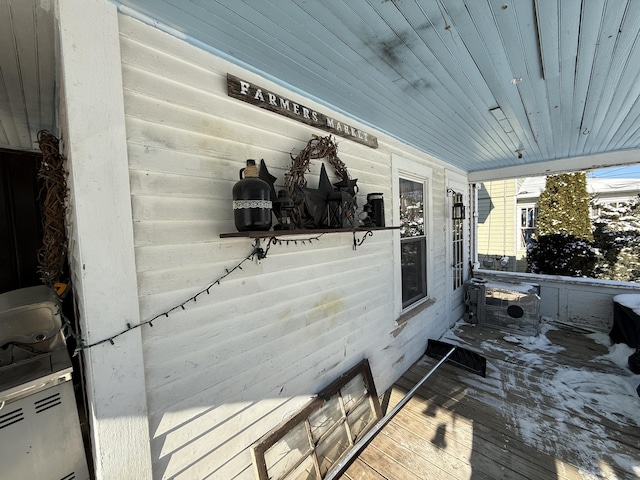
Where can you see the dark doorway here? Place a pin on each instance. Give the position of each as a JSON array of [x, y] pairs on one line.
[[20, 221]]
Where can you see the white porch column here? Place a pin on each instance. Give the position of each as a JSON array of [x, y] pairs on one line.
[[101, 235]]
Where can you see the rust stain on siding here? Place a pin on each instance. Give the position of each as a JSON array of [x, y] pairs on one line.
[[330, 304], [285, 316]]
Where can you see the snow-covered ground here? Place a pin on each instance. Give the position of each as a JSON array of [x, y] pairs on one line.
[[572, 409]]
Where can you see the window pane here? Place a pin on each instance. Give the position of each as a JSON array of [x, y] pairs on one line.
[[324, 418], [282, 456], [528, 220], [352, 392], [534, 216], [411, 208], [413, 259], [306, 471], [528, 217], [330, 450], [360, 419], [528, 235]]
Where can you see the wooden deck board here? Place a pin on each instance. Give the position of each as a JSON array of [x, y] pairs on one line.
[[359, 470], [492, 442], [537, 415], [624, 431]]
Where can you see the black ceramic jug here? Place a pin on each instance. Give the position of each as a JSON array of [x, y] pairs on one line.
[[251, 200]]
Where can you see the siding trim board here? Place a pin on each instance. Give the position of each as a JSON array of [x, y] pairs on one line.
[[100, 234]]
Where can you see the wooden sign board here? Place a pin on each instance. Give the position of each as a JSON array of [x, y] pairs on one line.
[[263, 98]]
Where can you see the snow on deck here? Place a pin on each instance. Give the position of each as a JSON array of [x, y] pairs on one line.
[[559, 405]]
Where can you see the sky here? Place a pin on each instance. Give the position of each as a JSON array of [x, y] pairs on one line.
[[631, 171]]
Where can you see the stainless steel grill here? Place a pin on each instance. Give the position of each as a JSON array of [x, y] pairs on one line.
[[39, 428]]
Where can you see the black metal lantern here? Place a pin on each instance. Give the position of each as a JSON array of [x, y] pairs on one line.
[[458, 207], [283, 206], [458, 210], [340, 210]]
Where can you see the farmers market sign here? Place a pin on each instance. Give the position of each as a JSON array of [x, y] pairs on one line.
[[263, 98]]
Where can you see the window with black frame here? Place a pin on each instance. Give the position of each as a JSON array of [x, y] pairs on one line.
[[413, 241], [528, 225]]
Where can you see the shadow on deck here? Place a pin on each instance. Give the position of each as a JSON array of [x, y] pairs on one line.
[[557, 406]]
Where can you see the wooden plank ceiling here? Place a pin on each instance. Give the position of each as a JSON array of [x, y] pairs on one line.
[[472, 82], [469, 81], [27, 72]]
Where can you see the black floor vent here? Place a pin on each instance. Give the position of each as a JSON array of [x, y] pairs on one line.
[[47, 403], [11, 418], [70, 476]]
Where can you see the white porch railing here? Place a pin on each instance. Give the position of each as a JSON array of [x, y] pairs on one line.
[[584, 302]]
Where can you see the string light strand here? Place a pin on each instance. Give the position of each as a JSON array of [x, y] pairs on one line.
[[257, 251]]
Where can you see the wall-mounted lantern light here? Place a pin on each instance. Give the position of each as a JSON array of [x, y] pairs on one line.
[[458, 211]]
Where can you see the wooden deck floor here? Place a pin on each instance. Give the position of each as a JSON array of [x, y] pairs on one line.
[[548, 409]]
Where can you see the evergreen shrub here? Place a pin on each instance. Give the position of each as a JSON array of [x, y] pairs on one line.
[[561, 254]]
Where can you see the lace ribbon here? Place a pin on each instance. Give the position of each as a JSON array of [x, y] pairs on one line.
[[239, 204]]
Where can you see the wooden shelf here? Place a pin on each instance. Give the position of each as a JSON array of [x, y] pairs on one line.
[[306, 231]]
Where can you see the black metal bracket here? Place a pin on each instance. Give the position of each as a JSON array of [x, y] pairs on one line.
[[260, 252], [357, 243]]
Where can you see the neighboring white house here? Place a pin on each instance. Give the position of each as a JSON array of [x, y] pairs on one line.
[[508, 211]]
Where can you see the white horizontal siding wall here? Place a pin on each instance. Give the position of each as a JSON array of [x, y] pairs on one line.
[[228, 368]]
